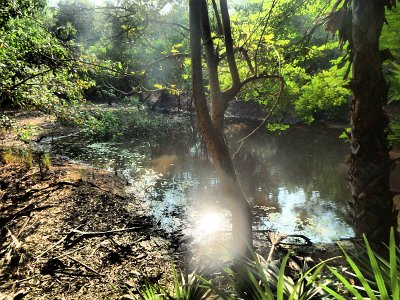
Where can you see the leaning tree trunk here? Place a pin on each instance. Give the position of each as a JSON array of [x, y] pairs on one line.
[[370, 163], [212, 128]]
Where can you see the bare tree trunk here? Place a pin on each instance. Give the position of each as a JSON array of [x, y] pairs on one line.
[[212, 128], [370, 164]]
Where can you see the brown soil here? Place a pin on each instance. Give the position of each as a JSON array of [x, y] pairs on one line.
[[54, 239]]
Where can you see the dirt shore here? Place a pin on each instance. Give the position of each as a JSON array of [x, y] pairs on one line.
[[71, 232]]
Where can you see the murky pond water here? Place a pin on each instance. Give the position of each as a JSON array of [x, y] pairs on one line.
[[295, 179]]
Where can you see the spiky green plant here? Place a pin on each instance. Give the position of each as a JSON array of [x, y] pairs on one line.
[[188, 287], [261, 280], [378, 277]]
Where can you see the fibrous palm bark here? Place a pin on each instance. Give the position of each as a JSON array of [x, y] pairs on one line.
[[369, 161]]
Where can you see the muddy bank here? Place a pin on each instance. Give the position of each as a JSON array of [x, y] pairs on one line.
[[72, 232]]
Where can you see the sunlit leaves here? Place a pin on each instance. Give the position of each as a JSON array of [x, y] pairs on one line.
[[325, 90], [37, 70]]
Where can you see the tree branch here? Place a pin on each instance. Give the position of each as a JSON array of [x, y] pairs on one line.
[[171, 56], [230, 53], [220, 30], [262, 35], [241, 141], [169, 23], [13, 87]]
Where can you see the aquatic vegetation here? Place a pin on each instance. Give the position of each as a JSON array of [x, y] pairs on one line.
[[125, 122]]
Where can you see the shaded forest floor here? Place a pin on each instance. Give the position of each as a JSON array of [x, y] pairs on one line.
[[73, 233]]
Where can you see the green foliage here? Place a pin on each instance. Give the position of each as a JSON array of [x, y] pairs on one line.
[[187, 287], [378, 277], [7, 124], [390, 40], [277, 127], [124, 122], [268, 280], [20, 156], [10, 9], [38, 71], [395, 82], [27, 132], [46, 161], [325, 91]]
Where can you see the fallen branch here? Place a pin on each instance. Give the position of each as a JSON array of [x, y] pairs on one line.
[[69, 242], [84, 265], [24, 211], [54, 245], [308, 242]]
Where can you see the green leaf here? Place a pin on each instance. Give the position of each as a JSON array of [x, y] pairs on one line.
[[346, 283], [393, 266], [360, 276], [280, 286], [332, 292], [377, 271]]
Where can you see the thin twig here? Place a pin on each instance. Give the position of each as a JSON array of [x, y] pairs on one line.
[[15, 240], [85, 265], [100, 233], [241, 141], [70, 252], [23, 227], [261, 36], [59, 242]]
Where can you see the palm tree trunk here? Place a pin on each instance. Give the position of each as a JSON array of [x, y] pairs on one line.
[[369, 163]]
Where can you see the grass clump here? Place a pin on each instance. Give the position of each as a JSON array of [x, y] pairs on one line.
[[18, 156]]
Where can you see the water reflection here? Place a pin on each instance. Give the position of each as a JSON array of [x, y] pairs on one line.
[[295, 179]]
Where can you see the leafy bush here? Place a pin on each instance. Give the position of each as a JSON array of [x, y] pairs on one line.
[[38, 70], [20, 156]]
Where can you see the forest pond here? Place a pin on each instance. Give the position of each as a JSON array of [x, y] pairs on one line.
[[296, 179]]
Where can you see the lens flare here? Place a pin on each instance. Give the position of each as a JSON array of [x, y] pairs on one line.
[[210, 222]]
